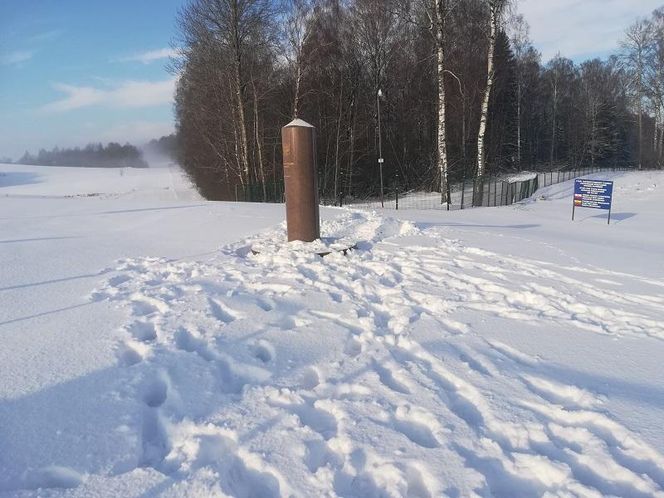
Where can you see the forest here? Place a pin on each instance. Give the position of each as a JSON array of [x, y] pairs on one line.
[[446, 89], [113, 155]]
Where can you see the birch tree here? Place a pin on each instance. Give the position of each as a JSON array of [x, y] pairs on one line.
[[635, 53], [300, 24], [520, 44], [655, 81], [495, 13], [441, 9]]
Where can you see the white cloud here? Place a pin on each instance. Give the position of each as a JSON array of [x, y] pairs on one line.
[[128, 94], [16, 57], [150, 56], [581, 28], [77, 96]]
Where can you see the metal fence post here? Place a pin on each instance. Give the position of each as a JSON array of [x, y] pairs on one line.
[[396, 190]]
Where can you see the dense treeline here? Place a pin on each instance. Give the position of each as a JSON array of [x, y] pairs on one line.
[[461, 90], [112, 155]]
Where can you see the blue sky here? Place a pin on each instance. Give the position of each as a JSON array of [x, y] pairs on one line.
[[582, 29], [78, 71]]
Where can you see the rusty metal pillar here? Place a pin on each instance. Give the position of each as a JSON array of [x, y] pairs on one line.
[[298, 140]]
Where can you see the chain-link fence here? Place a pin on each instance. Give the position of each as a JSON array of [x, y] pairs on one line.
[[259, 192], [476, 192]]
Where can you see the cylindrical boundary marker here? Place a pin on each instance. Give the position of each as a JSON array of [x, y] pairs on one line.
[[298, 140]]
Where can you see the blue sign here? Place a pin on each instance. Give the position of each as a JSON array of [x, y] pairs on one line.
[[594, 194]]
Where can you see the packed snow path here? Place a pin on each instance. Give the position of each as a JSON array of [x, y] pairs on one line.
[[371, 375]]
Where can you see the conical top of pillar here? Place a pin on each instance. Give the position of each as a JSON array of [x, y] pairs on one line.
[[299, 122]]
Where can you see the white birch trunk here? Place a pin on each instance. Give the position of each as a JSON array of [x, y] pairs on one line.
[[518, 123], [259, 142], [654, 135], [441, 149], [640, 130], [553, 122], [494, 6], [239, 101], [296, 100], [661, 141], [336, 148], [351, 152], [244, 146]]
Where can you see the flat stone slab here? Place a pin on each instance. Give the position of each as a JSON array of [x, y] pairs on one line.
[[322, 247]]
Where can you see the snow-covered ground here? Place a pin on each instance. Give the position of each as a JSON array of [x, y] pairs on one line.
[[488, 352], [517, 177], [165, 183]]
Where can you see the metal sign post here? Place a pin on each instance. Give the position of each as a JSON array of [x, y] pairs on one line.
[[380, 147], [380, 166], [593, 194]]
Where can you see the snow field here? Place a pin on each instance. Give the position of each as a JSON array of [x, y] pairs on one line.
[[454, 356], [163, 183], [311, 376]]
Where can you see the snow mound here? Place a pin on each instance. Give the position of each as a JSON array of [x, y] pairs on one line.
[[350, 230]]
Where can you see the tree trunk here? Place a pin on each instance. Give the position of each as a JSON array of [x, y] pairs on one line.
[[351, 151], [239, 101], [236, 145], [655, 133], [494, 6], [640, 129], [298, 81], [441, 143], [553, 124], [259, 143], [336, 151], [660, 145], [518, 122]]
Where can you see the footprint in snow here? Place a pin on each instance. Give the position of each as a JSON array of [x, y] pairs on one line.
[[222, 312], [263, 351], [130, 353], [155, 392], [415, 423], [142, 331]]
